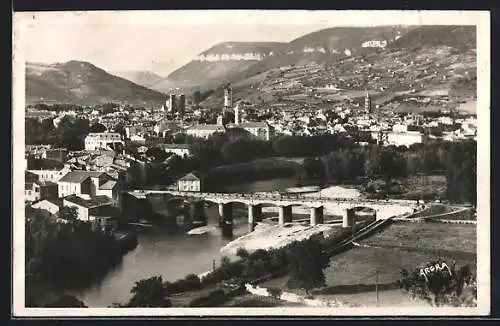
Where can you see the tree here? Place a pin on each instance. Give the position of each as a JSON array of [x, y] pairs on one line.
[[275, 292], [71, 132], [307, 261], [461, 172], [149, 292], [242, 253], [68, 213], [440, 284], [158, 154], [97, 127]]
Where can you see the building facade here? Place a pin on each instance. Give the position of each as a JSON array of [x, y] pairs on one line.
[[95, 141], [204, 131], [177, 149], [190, 182]]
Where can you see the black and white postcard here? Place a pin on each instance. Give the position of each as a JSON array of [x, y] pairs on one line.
[[235, 163]]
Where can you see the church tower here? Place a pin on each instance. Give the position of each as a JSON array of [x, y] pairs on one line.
[[368, 103], [237, 114], [228, 97]]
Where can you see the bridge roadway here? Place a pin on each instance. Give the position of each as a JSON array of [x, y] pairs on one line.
[[337, 206]]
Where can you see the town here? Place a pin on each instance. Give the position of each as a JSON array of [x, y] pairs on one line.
[[104, 166], [331, 180]]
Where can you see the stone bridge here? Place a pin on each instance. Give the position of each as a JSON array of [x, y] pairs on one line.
[[338, 206]]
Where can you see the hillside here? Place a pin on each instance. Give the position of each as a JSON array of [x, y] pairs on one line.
[[142, 78], [233, 61], [215, 65], [327, 46], [427, 61], [79, 82], [460, 38]]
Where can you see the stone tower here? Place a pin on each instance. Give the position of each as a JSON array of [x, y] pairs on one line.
[[228, 97], [237, 114], [171, 102], [368, 103], [181, 104]]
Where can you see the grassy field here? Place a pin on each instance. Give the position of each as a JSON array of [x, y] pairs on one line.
[[427, 236], [183, 299], [351, 276]]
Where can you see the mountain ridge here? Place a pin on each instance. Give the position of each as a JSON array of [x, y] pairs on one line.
[[81, 82], [144, 78]]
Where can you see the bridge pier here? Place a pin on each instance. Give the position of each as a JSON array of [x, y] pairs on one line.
[[284, 215], [316, 215], [197, 214], [254, 216], [348, 219], [226, 218]]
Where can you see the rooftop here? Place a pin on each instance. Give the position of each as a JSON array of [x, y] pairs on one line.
[[253, 124], [89, 203], [207, 127], [80, 176], [174, 146], [192, 176], [109, 185]]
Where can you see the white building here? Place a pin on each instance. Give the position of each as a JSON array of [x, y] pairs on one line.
[[204, 131], [190, 182], [260, 130], [95, 141], [404, 138], [51, 206], [177, 149], [51, 175], [88, 183], [399, 128]]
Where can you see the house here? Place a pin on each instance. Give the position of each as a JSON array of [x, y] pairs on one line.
[[204, 131], [92, 183], [164, 127], [261, 130], [34, 191], [98, 140], [404, 138], [50, 205], [91, 209], [56, 154], [177, 149], [142, 149], [138, 138], [50, 175], [131, 131], [190, 182]]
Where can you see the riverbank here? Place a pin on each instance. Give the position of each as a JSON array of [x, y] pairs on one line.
[[267, 236]]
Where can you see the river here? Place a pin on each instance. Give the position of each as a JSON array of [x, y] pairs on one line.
[[173, 256]]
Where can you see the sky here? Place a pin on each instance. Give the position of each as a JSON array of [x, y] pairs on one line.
[[162, 41], [159, 46]]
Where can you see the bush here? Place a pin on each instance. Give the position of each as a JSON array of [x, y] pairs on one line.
[[275, 292], [190, 283], [223, 273], [214, 298]]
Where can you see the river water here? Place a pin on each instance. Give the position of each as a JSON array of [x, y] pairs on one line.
[[173, 256]]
